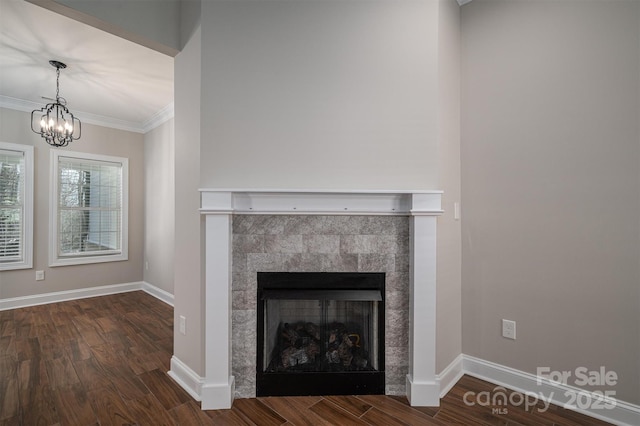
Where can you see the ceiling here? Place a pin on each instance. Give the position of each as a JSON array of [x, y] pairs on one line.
[[108, 80]]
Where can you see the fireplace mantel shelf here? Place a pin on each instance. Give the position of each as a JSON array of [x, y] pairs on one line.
[[330, 202]]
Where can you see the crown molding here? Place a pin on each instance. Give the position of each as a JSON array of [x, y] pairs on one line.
[[463, 2], [158, 118], [100, 120]]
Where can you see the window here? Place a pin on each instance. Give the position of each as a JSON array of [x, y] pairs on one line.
[[16, 206], [89, 208]]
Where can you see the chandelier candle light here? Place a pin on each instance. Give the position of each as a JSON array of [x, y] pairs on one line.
[[57, 124]]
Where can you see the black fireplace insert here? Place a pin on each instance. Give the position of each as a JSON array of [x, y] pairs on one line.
[[320, 333]]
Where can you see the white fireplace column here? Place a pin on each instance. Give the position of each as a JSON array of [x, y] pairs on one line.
[[218, 384], [216, 389], [423, 390]]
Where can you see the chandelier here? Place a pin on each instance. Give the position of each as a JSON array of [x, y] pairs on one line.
[[57, 125]]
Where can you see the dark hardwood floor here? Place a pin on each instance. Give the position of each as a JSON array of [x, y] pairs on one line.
[[104, 361]]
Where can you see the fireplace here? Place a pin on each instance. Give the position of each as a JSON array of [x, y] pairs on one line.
[[320, 333], [315, 230]]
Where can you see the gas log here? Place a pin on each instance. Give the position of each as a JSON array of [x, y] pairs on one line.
[[300, 345]]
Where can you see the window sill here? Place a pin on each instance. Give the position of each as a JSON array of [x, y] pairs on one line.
[[67, 261], [10, 266]]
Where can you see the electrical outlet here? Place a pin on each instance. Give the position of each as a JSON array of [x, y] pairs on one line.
[[39, 275], [183, 325], [146, 265], [509, 329]]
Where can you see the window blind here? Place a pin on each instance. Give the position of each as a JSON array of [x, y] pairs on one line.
[[12, 184], [89, 207]]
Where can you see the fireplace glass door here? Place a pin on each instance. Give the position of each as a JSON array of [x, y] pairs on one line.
[[320, 333]]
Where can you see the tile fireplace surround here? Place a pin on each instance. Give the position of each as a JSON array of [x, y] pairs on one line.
[[247, 231]]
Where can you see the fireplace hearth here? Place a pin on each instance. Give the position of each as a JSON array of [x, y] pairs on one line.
[[320, 333]]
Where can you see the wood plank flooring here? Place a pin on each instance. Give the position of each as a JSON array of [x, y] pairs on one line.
[[104, 360]]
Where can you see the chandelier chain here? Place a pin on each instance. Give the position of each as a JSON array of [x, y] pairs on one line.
[[57, 84]]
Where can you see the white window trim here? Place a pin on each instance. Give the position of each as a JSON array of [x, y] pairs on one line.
[[54, 258], [27, 244]]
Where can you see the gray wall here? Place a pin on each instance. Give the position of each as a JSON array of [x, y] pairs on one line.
[[551, 185], [159, 205], [318, 94], [14, 128], [449, 255], [188, 286]]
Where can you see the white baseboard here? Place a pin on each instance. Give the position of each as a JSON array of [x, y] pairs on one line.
[[83, 293], [186, 378], [158, 293], [623, 413], [218, 396], [422, 394], [213, 396], [62, 296], [450, 375]]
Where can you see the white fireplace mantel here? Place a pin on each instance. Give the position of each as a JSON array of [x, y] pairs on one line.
[[282, 201], [216, 389]]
